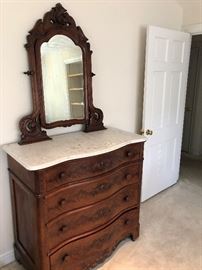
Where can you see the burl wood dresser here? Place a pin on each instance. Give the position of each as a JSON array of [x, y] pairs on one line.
[[75, 197]]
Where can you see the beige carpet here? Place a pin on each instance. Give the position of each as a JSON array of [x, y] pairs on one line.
[[171, 229]]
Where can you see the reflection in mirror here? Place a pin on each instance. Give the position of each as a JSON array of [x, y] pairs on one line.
[[62, 75]]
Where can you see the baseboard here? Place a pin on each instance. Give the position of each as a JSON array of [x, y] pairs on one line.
[[6, 258]]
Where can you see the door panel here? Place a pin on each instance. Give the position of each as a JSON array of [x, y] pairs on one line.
[[166, 67]]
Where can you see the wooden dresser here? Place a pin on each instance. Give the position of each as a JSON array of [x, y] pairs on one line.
[[75, 197]]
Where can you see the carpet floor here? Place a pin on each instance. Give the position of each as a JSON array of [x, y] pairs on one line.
[[171, 229]]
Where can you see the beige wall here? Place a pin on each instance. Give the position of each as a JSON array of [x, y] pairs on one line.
[[116, 31], [192, 11]]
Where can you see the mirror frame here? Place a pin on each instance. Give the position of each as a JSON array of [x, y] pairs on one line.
[[56, 21]]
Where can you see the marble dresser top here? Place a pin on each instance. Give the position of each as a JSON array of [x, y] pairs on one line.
[[69, 146]]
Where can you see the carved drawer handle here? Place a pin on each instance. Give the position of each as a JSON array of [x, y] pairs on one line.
[[62, 202], [102, 186], [65, 258], [129, 154], [126, 198], [63, 228], [61, 175], [128, 176], [99, 166]]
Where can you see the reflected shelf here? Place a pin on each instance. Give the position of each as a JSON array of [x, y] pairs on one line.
[[77, 103], [76, 89], [75, 75]]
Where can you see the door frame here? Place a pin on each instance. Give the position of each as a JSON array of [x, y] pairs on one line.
[[193, 29]]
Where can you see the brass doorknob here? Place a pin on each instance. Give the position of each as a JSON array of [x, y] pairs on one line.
[[149, 132]]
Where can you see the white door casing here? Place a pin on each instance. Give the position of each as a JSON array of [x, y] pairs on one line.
[[166, 70]]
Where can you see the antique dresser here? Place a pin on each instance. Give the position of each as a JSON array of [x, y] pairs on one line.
[[74, 196]]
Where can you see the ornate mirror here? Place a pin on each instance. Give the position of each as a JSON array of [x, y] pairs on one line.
[[61, 77]]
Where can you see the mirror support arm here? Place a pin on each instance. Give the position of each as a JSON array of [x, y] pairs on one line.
[[29, 72]]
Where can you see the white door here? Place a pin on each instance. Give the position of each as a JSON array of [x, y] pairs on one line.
[[166, 69]]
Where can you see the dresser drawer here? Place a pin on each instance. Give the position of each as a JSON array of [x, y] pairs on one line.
[[90, 192], [78, 169], [89, 218], [96, 247]]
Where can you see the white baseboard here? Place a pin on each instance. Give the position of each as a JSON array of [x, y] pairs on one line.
[[6, 258]]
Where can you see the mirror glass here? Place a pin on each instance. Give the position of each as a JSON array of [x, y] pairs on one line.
[[62, 75]]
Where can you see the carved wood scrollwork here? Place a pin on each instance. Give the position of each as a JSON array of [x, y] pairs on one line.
[[56, 21], [99, 214], [95, 120], [106, 252], [31, 129]]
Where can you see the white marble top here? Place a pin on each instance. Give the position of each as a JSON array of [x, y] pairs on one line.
[[69, 146]]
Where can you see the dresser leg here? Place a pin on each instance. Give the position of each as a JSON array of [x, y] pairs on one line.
[[17, 255], [135, 234], [23, 259]]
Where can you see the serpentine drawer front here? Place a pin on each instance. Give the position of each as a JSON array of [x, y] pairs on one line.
[[78, 222], [97, 245], [77, 170], [71, 210], [91, 191]]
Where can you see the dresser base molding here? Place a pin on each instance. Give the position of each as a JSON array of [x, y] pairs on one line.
[[23, 258], [87, 252]]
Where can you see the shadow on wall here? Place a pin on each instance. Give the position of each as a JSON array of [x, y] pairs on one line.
[[140, 75]]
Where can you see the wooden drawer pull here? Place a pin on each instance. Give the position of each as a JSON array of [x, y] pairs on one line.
[[65, 258], [127, 222], [63, 228], [62, 202], [128, 176], [126, 198], [61, 175], [129, 154]]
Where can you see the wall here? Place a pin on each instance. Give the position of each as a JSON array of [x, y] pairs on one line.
[[116, 30], [192, 15], [192, 12]]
